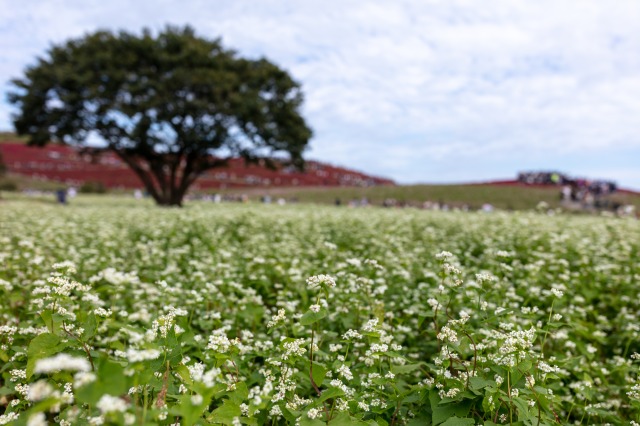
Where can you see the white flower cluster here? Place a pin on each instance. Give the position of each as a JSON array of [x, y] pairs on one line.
[[448, 335], [62, 362], [293, 348], [137, 355], [321, 280], [277, 319], [209, 378], [370, 326], [166, 322], [351, 335], [111, 404], [444, 255], [66, 266], [219, 342], [83, 378], [345, 372], [64, 287]]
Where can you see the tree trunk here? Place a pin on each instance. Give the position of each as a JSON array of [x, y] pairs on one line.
[[156, 185], [170, 197]]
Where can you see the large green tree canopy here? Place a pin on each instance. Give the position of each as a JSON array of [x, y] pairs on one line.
[[171, 106]]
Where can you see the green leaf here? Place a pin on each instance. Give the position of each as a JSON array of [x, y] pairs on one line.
[[42, 346], [110, 379], [523, 408], [330, 393], [343, 419], [51, 321], [184, 374], [89, 324], [240, 394], [441, 412], [403, 369], [288, 415], [477, 383], [226, 412], [420, 421], [311, 317], [306, 421], [318, 374], [458, 421]]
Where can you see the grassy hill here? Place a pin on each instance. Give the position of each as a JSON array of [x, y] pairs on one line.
[[11, 137], [508, 197]]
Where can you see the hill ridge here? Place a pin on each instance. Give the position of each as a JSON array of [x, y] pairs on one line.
[[70, 166]]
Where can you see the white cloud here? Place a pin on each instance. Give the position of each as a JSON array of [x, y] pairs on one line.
[[405, 88]]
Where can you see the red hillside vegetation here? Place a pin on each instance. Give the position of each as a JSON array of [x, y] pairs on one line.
[[67, 165]]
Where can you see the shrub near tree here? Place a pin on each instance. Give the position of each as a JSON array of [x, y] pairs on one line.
[[171, 106], [3, 167]]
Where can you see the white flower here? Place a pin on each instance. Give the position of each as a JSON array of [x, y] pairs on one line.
[[83, 378], [485, 278], [67, 266], [370, 326], [39, 391], [109, 404], [102, 312], [314, 413], [62, 362], [447, 334], [8, 418], [275, 411], [18, 375], [129, 419], [345, 372], [134, 355], [314, 308], [530, 381], [319, 280], [277, 319], [351, 334], [557, 292], [443, 255], [37, 419]]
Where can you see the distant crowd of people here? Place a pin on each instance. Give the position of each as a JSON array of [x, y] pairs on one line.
[[589, 193], [543, 178], [596, 186]]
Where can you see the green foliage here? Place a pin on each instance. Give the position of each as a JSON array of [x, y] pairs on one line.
[[92, 188], [7, 184], [3, 167], [42, 346], [171, 106], [272, 315], [503, 197]]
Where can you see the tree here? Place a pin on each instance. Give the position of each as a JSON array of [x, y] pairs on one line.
[[171, 106]]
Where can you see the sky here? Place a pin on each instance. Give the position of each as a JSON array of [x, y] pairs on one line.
[[418, 91]]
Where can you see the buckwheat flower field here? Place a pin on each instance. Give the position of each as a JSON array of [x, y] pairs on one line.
[[118, 313]]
